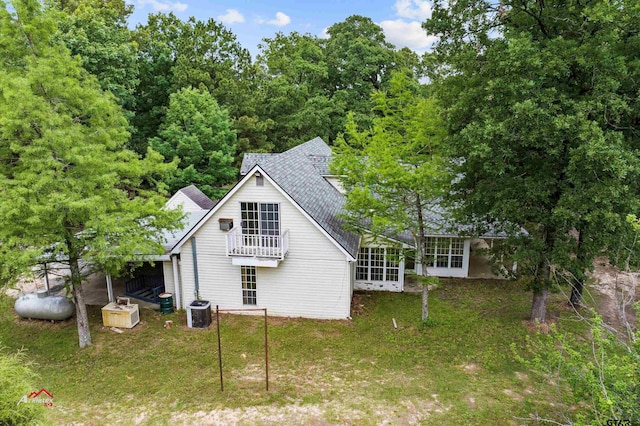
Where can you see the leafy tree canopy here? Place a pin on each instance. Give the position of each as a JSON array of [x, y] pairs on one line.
[[197, 133], [392, 172], [542, 114], [97, 32], [176, 54], [359, 60], [294, 91]]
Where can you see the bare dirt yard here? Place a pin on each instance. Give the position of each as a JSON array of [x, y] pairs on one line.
[[613, 293]]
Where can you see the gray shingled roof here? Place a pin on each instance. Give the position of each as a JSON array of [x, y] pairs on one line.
[[251, 159], [441, 224], [198, 197], [298, 173]]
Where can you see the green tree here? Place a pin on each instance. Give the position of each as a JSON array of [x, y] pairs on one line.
[[96, 30], [541, 110], [392, 172], [175, 54], [68, 190], [294, 96], [410, 61], [359, 60], [197, 133], [598, 374]]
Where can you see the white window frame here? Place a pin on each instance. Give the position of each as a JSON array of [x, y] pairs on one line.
[[249, 278], [445, 252], [368, 258], [260, 217]]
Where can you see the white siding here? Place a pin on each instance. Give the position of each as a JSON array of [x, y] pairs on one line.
[[169, 285], [186, 273], [314, 279], [392, 286], [179, 199]]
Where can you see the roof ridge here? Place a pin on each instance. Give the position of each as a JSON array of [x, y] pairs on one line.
[[298, 175]]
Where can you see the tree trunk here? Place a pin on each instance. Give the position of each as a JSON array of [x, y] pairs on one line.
[[541, 281], [541, 293], [425, 302], [539, 305], [576, 293], [578, 283], [420, 254], [82, 319]]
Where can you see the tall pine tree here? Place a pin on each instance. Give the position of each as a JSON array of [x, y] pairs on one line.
[[67, 187]]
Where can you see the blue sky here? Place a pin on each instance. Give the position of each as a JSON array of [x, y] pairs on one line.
[[251, 21]]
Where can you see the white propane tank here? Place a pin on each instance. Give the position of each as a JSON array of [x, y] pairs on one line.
[[41, 306]]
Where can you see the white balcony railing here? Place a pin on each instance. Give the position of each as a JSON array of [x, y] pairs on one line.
[[271, 246]]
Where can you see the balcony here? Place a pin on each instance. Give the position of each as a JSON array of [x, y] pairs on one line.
[[256, 250]]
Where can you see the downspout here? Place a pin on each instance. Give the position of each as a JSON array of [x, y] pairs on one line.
[[196, 291], [176, 280]]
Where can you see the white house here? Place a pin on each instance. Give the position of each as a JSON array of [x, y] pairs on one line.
[[276, 241], [191, 199]]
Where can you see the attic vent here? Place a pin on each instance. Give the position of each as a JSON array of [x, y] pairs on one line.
[[259, 179]]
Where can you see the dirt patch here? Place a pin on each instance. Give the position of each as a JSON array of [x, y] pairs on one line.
[[513, 395], [617, 291], [356, 411], [535, 327], [411, 284], [35, 281], [471, 401], [470, 368], [357, 304]]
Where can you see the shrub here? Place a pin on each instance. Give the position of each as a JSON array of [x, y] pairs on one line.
[[16, 380], [598, 375]]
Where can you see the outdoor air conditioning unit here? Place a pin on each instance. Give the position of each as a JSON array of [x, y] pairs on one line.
[[199, 314], [225, 224], [122, 316]]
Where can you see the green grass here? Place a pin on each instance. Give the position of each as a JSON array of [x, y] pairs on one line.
[[457, 370]]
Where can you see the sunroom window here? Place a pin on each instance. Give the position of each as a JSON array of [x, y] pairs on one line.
[[444, 252], [378, 264]]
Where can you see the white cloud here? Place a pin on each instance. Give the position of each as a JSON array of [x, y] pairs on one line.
[[280, 21], [407, 34], [324, 33], [233, 16], [413, 9], [164, 6]]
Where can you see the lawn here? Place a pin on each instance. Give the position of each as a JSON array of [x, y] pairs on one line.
[[458, 370]]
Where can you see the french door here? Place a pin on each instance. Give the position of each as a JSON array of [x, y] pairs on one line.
[[260, 224]]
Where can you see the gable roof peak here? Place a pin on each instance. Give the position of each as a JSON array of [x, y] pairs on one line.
[[198, 197], [299, 173], [315, 146]]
